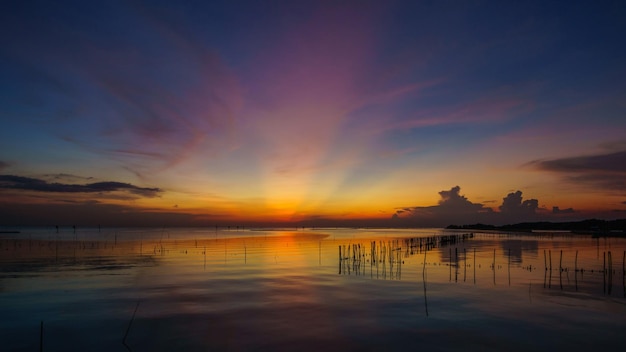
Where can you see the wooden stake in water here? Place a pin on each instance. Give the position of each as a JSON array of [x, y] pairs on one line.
[[610, 282], [550, 255], [450, 263], [41, 337], [424, 280], [604, 272], [464, 264], [509, 267], [128, 328], [494, 267], [561, 261], [456, 263]]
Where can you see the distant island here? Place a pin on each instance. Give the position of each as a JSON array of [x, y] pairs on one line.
[[590, 226]]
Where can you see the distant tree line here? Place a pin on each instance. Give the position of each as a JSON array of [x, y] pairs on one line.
[[592, 226]]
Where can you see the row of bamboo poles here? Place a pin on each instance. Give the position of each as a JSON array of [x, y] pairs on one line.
[[385, 257], [385, 260]]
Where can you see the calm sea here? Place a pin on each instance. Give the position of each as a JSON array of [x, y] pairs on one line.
[[193, 289]]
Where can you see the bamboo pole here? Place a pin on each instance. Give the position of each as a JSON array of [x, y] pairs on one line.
[[450, 264], [509, 267], [550, 255], [424, 280], [41, 334], [464, 264], [130, 323], [494, 266], [604, 272], [610, 282]]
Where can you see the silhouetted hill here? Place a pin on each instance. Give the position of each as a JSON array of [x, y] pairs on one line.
[[591, 226]]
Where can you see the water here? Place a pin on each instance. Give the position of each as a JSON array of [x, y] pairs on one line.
[[207, 290]]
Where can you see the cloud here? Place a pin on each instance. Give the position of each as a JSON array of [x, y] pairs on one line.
[[603, 171], [90, 213], [612, 162], [453, 207], [65, 178], [453, 200], [3, 165], [557, 210], [512, 204], [33, 184]]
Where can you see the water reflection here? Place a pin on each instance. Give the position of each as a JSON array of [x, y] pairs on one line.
[[203, 290], [510, 259]]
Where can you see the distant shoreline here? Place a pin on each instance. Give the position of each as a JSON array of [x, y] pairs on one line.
[[594, 227]]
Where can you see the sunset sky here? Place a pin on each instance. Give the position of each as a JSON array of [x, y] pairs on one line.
[[315, 113]]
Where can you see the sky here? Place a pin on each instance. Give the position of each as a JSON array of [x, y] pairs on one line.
[[311, 113]]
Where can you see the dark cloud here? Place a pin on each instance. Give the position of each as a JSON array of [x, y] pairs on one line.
[[3, 165], [452, 207], [603, 171], [38, 185], [91, 213], [453, 200], [613, 162], [455, 208], [557, 210], [513, 204], [606, 181], [61, 177]]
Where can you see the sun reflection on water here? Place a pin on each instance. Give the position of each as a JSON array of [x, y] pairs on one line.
[[284, 289]]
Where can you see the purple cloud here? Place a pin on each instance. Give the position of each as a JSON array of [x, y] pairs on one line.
[[602, 171], [90, 213], [37, 185], [612, 162]]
